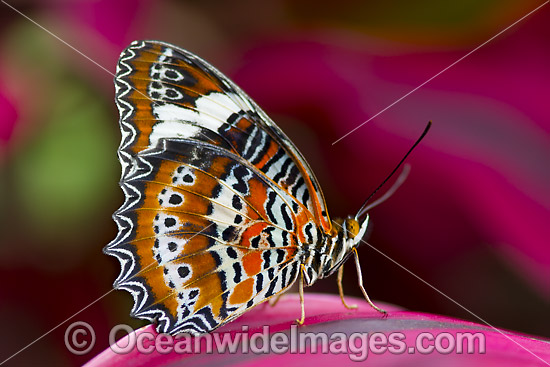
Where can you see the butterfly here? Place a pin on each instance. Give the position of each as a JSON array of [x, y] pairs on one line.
[[221, 211]]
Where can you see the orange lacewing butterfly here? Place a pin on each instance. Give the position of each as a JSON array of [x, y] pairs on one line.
[[221, 211]]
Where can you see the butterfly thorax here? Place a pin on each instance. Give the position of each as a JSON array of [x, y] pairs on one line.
[[334, 249]]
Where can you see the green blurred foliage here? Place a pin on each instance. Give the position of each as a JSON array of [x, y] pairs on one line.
[[65, 170], [62, 168]]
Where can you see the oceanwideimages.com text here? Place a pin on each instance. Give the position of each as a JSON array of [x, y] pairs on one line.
[[79, 338]]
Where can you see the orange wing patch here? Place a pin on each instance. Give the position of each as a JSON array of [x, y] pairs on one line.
[[220, 206]]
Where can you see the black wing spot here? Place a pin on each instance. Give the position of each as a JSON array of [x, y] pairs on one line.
[[183, 271], [175, 199], [307, 231], [280, 255], [172, 246], [238, 219], [170, 93], [255, 242], [229, 234], [169, 222], [283, 277], [238, 272], [232, 253], [259, 282], [267, 259], [286, 217], [193, 294], [171, 74], [237, 204], [269, 206], [305, 197]]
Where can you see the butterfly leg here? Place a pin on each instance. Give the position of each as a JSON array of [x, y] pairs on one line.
[[301, 292], [276, 299], [360, 278], [341, 288]]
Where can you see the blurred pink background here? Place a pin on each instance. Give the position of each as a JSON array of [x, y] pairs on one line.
[[473, 219]]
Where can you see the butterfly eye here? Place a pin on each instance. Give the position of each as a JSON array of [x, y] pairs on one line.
[[352, 227]]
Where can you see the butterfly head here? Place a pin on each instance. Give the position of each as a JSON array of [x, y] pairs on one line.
[[353, 231], [346, 235]]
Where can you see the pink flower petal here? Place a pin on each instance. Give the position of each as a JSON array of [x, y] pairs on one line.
[[327, 316]]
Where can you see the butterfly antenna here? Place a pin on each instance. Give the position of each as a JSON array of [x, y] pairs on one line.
[[400, 180]]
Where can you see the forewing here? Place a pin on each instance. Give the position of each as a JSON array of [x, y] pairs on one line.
[[166, 92]]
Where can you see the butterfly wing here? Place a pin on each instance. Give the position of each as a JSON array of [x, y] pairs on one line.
[[216, 195], [166, 92]]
